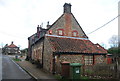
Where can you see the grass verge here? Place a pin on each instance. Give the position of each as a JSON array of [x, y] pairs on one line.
[[16, 59]]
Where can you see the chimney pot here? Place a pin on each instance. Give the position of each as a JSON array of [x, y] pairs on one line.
[[67, 8], [38, 29], [38, 25], [48, 25]]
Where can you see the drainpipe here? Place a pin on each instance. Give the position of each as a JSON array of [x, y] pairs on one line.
[[43, 52], [53, 68]]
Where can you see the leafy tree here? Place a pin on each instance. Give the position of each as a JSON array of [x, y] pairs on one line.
[[113, 50], [24, 51]]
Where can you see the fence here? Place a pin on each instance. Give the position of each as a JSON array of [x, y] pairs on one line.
[[104, 71]]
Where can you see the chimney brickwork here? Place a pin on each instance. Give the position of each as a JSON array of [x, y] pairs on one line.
[[67, 8]]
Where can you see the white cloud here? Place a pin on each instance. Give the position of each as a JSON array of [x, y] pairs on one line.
[[19, 18]]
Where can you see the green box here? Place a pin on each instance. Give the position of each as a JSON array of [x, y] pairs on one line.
[[75, 70]]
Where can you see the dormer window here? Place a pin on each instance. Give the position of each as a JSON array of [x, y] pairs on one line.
[[50, 32], [75, 33], [60, 32]]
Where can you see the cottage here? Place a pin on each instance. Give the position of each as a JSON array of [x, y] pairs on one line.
[[11, 49], [64, 41]]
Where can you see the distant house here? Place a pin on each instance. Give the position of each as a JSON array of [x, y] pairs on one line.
[[64, 41], [11, 49]]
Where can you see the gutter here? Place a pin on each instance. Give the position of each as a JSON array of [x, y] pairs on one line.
[[78, 53]]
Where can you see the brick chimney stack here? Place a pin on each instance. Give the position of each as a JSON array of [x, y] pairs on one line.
[[12, 42], [67, 8], [38, 28], [48, 25], [38, 31]]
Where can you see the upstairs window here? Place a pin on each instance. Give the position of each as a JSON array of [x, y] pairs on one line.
[[60, 32], [74, 33], [50, 32]]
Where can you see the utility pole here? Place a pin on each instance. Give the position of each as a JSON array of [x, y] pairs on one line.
[[117, 55]]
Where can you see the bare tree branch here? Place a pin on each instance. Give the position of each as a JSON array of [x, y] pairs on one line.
[[113, 41]]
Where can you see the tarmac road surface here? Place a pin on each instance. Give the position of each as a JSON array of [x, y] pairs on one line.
[[10, 70]]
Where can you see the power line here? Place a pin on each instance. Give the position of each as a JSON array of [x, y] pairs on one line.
[[11, 35], [104, 25]]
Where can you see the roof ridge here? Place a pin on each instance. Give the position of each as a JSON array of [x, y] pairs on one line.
[[12, 45], [66, 37]]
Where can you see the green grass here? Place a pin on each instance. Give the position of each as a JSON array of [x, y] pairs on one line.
[[58, 77], [16, 59]]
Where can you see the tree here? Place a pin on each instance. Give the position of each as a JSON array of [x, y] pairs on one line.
[[24, 51], [115, 50], [113, 41], [115, 45]]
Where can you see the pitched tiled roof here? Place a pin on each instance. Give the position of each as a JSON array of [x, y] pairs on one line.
[[12, 46], [62, 44]]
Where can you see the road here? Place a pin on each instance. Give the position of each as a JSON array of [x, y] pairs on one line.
[[10, 70], [0, 64]]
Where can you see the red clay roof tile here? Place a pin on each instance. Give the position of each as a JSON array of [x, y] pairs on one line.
[[12, 46], [62, 44]]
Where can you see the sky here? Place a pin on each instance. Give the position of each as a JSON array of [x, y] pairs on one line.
[[19, 18]]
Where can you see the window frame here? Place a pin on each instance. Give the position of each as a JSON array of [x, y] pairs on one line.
[[89, 60], [50, 32], [75, 31], [62, 32]]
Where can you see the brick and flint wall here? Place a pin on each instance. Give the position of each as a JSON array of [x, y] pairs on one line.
[[37, 52], [52, 61], [68, 24], [48, 56]]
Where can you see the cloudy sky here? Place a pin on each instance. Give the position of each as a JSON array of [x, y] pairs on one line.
[[19, 18]]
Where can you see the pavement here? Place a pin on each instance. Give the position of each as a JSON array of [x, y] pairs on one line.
[[32, 69]]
